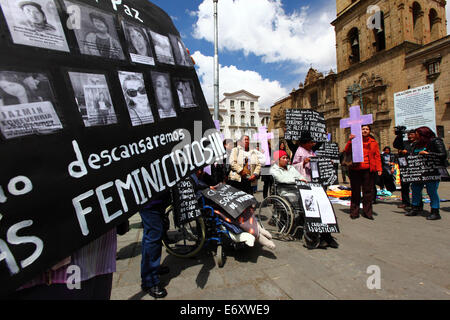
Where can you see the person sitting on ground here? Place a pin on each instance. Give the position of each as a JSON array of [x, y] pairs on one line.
[[282, 172]]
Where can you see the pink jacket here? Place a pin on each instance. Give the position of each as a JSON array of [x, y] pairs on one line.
[[299, 162]]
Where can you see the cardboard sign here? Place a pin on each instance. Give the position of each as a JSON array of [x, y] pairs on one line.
[[419, 168], [319, 213], [186, 205], [323, 171], [328, 150], [91, 131], [305, 120], [231, 200]]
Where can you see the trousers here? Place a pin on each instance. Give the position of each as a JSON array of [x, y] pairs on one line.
[[432, 188], [152, 220], [365, 180]]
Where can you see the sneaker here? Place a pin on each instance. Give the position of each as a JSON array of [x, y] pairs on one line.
[[156, 291]]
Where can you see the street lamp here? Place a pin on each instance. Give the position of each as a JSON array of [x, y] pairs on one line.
[[216, 63], [351, 90]]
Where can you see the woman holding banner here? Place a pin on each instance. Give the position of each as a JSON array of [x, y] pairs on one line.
[[362, 175], [427, 143]]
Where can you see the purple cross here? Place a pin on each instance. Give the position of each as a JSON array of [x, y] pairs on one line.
[[217, 124], [264, 137], [355, 122]]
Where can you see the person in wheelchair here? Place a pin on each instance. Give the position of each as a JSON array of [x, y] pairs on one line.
[[246, 228], [283, 173]]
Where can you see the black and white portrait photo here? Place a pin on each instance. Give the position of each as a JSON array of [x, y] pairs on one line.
[[93, 99], [163, 94], [314, 170], [139, 45], [402, 162], [163, 50], [97, 35], [185, 93], [181, 55], [35, 23], [135, 95], [26, 105]]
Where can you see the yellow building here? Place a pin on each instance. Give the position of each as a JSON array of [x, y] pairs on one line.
[[382, 47]]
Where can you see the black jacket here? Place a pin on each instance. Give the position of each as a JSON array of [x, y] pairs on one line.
[[436, 146], [403, 145]]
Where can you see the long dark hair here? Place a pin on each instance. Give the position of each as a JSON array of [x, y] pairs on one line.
[[424, 136]]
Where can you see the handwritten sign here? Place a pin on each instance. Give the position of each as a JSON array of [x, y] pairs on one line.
[[305, 120], [319, 213], [186, 205], [419, 168], [323, 171], [328, 150], [230, 199]]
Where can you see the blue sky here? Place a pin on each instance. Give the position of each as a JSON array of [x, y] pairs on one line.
[[265, 46]]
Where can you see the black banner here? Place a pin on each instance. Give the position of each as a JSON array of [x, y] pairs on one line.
[[419, 168], [323, 171], [319, 212], [186, 205], [328, 150], [230, 199], [305, 120], [92, 129]]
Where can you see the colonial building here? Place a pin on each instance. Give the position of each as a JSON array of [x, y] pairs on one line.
[[240, 114], [383, 47]]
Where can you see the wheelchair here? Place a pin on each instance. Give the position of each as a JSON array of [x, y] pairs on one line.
[[282, 214], [187, 240]]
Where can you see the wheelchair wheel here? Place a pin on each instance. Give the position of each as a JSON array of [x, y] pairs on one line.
[[187, 240], [275, 215], [220, 256]]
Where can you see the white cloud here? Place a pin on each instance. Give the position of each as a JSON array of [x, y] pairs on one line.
[[232, 79], [263, 28]]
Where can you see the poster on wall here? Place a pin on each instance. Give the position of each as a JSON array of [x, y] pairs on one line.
[[35, 23], [139, 45], [93, 99], [96, 35], [89, 142], [415, 108], [26, 105], [136, 98]]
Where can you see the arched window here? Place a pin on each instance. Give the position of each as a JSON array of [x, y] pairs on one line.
[[417, 21], [379, 33], [353, 37], [232, 121], [252, 120], [434, 27], [242, 120]]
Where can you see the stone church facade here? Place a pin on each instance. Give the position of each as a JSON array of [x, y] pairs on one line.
[[383, 47]]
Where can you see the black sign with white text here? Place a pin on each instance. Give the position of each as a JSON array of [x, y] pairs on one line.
[[186, 205], [230, 199], [305, 120], [328, 150], [323, 171], [419, 168], [89, 133]]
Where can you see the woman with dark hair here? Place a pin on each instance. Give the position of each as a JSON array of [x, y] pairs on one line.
[[427, 143], [138, 42], [100, 43], [137, 100], [362, 175], [303, 155], [387, 179]]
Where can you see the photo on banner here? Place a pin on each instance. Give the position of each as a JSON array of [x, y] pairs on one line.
[[93, 99], [163, 93], [26, 105], [35, 23], [135, 95], [181, 55], [138, 41], [96, 34], [185, 93], [163, 49]]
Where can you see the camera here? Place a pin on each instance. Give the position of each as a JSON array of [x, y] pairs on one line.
[[400, 130]]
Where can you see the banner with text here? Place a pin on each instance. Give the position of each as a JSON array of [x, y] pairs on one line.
[[305, 120]]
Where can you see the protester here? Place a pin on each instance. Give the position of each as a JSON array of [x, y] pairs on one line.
[[95, 262], [404, 149], [427, 143], [362, 175], [245, 167], [387, 179], [282, 172], [267, 177], [152, 219], [262, 160], [344, 168], [303, 155], [220, 171]]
